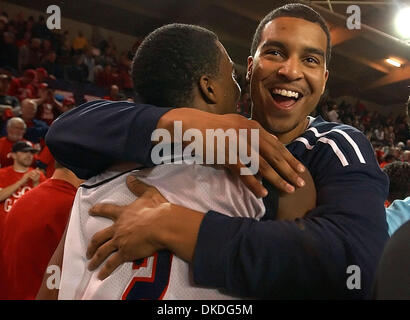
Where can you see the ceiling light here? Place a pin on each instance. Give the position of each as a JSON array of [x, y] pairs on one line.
[[402, 22], [393, 62]]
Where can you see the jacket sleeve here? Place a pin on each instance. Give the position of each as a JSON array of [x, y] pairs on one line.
[[93, 136], [332, 253]]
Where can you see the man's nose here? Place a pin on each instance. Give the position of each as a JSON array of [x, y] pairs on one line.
[[291, 69]]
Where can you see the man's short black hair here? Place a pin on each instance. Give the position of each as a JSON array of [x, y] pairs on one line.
[[399, 175], [294, 10], [170, 61]]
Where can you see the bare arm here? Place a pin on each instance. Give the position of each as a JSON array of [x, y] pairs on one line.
[[7, 191], [298, 204], [44, 292]]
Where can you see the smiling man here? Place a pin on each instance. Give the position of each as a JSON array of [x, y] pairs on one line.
[[310, 257], [287, 72]]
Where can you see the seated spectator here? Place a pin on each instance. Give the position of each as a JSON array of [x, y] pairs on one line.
[[15, 128], [68, 104], [399, 190], [391, 136], [36, 129], [25, 40], [89, 61], [23, 88], [333, 114], [406, 155], [104, 78], [399, 176], [79, 43], [48, 107], [17, 179], [388, 158], [9, 105], [378, 134], [114, 94], [41, 77], [38, 218], [49, 64]]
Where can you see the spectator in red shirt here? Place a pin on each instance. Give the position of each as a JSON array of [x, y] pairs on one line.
[[46, 161], [114, 93], [32, 232], [15, 128], [9, 106], [104, 78], [68, 104], [17, 179], [48, 107], [22, 87]]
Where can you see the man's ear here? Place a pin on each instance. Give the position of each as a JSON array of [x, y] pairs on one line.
[[249, 69], [326, 77], [208, 89]]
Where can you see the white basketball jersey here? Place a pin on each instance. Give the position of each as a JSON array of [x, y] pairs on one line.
[[162, 276]]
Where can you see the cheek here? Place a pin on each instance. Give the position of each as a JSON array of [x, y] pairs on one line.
[[317, 82]]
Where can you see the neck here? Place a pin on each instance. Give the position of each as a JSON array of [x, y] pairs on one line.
[[68, 176], [288, 137], [19, 167]]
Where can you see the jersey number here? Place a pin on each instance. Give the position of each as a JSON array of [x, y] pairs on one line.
[[152, 287]]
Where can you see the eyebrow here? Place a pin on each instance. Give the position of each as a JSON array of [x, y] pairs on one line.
[[311, 50]]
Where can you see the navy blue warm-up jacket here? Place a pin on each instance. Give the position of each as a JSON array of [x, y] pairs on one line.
[[313, 257]]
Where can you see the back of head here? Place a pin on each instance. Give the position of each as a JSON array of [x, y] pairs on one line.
[[170, 61], [293, 10], [399, 175]]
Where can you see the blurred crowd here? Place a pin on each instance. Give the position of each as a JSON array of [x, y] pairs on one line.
[[389, 135], [32, 58]]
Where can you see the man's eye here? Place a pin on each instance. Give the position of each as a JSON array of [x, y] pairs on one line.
[[273, 52], [312, 60]]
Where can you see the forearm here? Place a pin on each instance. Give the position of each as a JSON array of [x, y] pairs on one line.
[[95, 135], [306, 258], [190, 118], [177, 230], [56, 260], [7, 191]]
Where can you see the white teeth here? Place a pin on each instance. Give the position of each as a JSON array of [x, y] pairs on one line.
[[286, 93]]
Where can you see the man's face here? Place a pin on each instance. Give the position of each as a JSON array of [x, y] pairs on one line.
[[227, 82], [287, 75], [16, 131], [23, 158], [28, 110]]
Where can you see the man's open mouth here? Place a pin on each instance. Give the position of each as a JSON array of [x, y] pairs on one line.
[[285, 98]]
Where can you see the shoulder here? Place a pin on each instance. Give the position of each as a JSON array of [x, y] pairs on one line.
[[39, 123], [6, 174], [6, 170], [335, 141]]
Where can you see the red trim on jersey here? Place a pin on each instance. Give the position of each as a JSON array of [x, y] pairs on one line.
[[148, 279], [143, 264], [169, 277]]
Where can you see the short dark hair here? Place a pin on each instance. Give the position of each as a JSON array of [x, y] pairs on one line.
[[171, 60], [294, 10], [399, 175]]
